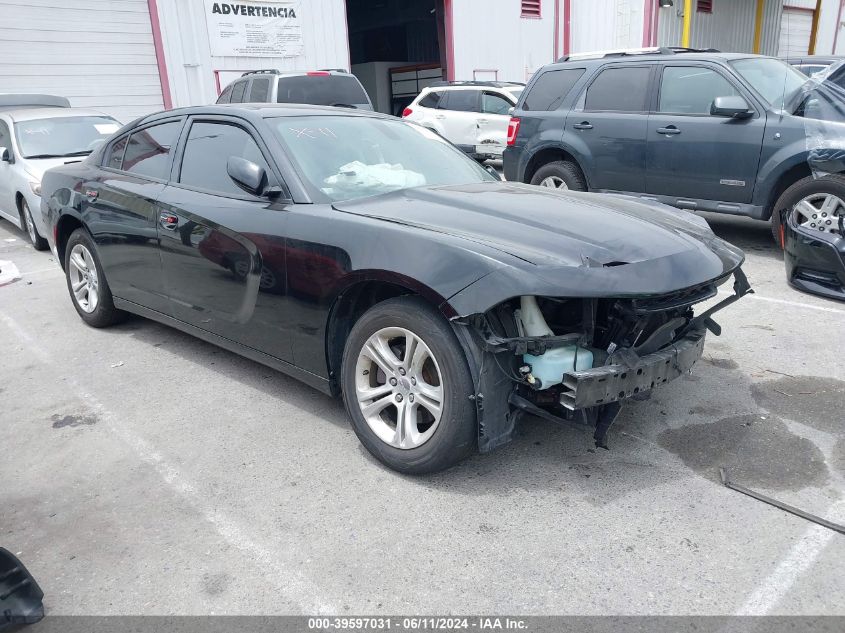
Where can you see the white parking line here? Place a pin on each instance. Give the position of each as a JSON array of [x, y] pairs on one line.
[[794, 304], [800, 558], [289, 582]]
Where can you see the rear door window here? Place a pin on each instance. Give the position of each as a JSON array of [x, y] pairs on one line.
[[149, 151], [462, 101], [321, 90], [259, 90], [551, 89], [621, 89]]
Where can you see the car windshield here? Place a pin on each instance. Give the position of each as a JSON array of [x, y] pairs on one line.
[[775, 80], [353, 157], [63, 136], [321, 90]]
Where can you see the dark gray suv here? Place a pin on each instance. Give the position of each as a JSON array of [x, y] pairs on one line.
[[700, 130]]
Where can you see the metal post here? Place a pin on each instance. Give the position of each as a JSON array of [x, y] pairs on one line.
[[687, 23], [758, 26], [814, 28]]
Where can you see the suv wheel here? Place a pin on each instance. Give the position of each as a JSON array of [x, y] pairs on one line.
[[406, 387], [814, 203], [38, 242], [561, 174], [87, 284]]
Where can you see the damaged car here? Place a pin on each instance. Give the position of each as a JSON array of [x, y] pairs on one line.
[[373, 260]]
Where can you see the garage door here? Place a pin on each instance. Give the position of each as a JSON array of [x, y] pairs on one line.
[[795, 27], [98, 53]]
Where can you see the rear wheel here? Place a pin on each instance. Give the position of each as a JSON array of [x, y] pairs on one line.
[[87, 283], [38, 242], [814, 203], [406, 387], [560, 174]]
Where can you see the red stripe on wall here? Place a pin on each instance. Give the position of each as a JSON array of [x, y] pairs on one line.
[[159, 48]]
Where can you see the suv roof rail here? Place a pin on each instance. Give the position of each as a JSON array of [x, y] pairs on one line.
[[9, 100], [624, 52], [493, 84], [265, 71]]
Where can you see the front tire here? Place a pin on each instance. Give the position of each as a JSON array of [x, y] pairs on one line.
[[560, 174], [815, 203], [406, 386], [28, 224], [86, 282]]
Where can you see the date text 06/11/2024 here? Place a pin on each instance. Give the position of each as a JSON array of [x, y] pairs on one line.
[[416, 623]]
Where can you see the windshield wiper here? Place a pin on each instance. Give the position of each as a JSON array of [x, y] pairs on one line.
[[82, 153]]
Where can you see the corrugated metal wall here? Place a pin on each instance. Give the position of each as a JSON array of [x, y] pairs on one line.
[[729, 28]]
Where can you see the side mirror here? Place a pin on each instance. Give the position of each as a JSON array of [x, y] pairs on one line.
[[732, 107], [5, 155], [247, 175]]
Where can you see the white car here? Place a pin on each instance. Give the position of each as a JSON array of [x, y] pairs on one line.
[[38, 132], [473, 115]]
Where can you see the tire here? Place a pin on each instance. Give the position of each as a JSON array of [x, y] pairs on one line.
[[809, 187], [436, 445], [28, 225], [95, 305], [564, 172]]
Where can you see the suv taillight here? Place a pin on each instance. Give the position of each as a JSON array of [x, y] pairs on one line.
[[513, 130], [407, 112]]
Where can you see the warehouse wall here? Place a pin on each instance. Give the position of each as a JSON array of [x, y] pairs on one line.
[[98, 54], [493, 36], [729, 28], [191, 67], [598, 25]]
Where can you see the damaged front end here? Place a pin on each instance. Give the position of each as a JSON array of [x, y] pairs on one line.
[[573, 360]]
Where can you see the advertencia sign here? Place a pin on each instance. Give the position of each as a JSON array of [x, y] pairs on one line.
[[254, 29]]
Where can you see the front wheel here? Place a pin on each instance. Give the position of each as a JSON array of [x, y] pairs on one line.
[[816, 204], [560, 174], [38, 242], [87, 283], [406, 386]]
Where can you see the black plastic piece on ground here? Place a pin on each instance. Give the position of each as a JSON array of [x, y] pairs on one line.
[[20, 596]]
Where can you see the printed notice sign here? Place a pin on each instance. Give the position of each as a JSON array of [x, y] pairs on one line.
[[254, 29]]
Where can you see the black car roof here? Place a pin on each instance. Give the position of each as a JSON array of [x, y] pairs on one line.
[[263, 111]]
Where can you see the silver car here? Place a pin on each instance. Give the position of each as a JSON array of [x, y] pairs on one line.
[[38, 132]]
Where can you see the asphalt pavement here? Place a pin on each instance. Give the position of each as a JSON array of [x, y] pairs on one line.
[[143, 471]]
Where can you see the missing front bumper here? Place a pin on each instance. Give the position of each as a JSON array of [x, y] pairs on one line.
[[610, 383]]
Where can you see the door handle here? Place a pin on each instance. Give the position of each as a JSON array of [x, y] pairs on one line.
[[583, 125], [168, 221], [483, 121], [669, 131], [439, 116]]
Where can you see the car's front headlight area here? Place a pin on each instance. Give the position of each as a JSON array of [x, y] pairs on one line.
[[35, 185]]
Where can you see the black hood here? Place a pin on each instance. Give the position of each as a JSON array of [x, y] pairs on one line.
[[553, 228]]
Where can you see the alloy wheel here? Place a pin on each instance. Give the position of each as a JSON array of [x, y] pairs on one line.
[[399, 388], [83, 278], [553, 182], [820, 212]]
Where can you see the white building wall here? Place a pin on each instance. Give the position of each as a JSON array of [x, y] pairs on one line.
[[491, 36], [598, 25], [829, 24], [193, 71]]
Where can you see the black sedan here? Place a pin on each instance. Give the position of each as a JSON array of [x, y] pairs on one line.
[[370, 258]]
